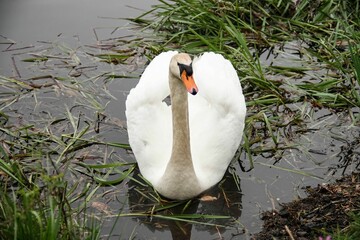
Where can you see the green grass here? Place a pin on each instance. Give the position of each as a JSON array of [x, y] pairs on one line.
[[241, 30], [352, 232], [37, 191]]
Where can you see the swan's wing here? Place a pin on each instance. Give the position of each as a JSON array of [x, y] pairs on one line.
[[149, 118], [217, 115]]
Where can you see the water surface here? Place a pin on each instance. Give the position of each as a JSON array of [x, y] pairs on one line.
[[73, 31]]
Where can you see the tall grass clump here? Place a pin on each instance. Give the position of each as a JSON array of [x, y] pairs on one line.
[[352, 232], [35, 201], [24, 215]]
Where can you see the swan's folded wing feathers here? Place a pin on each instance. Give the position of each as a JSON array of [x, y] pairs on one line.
[[154, 82], [218, 81], [217, 115], [149, 118]]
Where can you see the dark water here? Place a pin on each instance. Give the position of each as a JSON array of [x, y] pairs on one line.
[[29, 21], [44, 25]]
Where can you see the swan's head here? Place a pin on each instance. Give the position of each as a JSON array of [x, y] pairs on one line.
[[181, 68]]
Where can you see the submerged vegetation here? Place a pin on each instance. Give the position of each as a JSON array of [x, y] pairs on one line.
[[299, 64]]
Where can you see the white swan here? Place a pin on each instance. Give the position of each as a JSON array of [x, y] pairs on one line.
[[184, 149]]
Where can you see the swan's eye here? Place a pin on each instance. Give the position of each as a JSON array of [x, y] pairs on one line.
[[187, 68]]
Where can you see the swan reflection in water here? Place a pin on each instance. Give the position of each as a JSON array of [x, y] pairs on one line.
[[223, 202]]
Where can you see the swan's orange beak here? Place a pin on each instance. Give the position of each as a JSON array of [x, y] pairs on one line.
[[189, 83]]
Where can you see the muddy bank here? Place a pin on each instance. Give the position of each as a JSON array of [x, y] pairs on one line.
[[326, 208]]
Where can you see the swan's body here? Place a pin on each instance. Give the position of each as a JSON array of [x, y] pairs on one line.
[[185, 148]]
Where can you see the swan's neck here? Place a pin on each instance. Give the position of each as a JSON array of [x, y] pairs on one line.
[[181, 152], [179, 176]]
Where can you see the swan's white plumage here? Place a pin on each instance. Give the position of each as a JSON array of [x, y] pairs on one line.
[[216, 118]]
